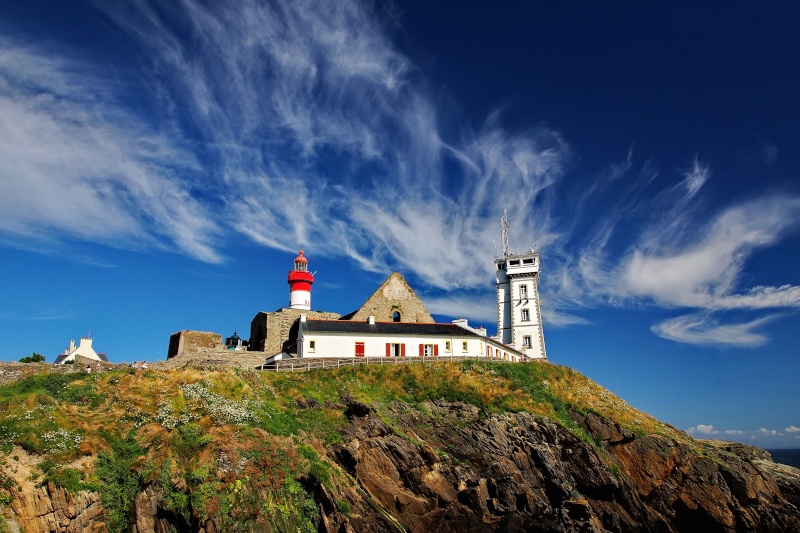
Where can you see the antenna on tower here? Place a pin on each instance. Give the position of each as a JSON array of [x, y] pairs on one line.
[[505, 226]]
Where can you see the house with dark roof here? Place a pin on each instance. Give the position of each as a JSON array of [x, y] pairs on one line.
[[371, 338], [84, 350]]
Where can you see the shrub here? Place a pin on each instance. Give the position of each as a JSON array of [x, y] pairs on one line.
[[343, 507], [35, 358], [120, 482]]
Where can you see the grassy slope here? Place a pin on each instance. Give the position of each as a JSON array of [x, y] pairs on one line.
[[172, 428]]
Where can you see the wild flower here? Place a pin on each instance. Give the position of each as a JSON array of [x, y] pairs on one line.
[[61, 440], [221, 409]]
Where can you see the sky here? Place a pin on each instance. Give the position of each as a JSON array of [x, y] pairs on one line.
[[162, 163]]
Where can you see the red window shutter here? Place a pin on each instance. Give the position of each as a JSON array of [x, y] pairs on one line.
[[402, 350], [435, 349], [388, 350], [421, 350]]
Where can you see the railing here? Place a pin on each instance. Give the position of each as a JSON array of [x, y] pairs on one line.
[[319, 363]]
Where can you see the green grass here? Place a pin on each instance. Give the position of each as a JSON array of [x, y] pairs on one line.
[[171, 428]]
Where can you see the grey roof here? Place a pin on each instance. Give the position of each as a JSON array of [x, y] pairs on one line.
[[386, 328]]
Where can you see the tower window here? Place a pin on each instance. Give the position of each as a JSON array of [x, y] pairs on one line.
[[396, 316], [523, 291], [526, 315], [526, 341]]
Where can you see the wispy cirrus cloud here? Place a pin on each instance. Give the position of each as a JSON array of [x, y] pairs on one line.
[[704, 330], [314, 103], [295, 123], [76, 164]]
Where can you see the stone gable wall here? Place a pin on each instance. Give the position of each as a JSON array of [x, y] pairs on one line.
[[395, 294], [270, 331]]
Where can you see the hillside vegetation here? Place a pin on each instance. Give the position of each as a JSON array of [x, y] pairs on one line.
[[232, 450]]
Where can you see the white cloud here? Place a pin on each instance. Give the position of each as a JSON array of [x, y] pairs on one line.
[[701, 429], [73, 163], [701, 271], [288, 88], [703, 329], [768, 432], [480, 310], [694, 178], [792, 429], [736, 432], [314, 129]]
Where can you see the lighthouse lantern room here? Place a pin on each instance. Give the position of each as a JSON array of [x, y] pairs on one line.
[[300, 281]]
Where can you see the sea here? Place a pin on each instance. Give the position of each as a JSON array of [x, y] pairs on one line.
[[789, 457]]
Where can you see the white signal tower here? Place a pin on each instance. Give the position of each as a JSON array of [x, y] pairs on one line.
[[519, 317]]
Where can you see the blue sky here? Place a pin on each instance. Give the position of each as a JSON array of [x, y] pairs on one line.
[[162, 162]]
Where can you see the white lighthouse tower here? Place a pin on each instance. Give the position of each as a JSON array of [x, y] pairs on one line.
[[519, 317], [300, 281]]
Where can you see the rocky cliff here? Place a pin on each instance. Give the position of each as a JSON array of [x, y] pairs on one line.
[[446, 468], [368, 450]]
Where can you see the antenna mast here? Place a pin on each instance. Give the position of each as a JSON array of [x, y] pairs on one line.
[[504, 233]]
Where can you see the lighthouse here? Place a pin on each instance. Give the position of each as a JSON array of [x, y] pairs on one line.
[[300, 281]]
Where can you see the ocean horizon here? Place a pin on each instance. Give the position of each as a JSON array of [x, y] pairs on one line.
[[786, 456]]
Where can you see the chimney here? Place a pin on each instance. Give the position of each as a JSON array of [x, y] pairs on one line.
[[371, 320]]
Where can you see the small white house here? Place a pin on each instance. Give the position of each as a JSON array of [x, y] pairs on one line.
[[344, 338], [84, 350]]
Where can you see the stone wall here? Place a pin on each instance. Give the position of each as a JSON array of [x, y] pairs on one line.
[[269, 332], [394, 295], [189, 341]]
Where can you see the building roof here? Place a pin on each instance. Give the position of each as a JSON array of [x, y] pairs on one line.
[[385, 328], [397, 328]]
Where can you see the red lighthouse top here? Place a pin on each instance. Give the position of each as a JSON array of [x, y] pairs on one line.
[[300, 262], [300, 278]]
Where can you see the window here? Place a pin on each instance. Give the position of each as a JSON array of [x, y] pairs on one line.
[[447, 346], [515, 262], [526, 315], [396, 316], [527, 261], [523, 292], [427, 350], [526, 341], [395, 349], [465, 346], [312, 346], [359, 349]]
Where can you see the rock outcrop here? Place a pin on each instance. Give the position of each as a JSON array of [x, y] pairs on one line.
[[52, 509], [449, 469]]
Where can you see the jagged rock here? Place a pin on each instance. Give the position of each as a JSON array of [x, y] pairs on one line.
[[516, 472], [53, 509]]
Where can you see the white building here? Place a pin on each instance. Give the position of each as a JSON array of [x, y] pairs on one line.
[[405, 328], [346, 338], [519, 317], [84, 350]]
